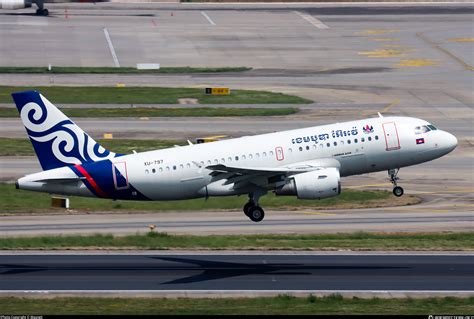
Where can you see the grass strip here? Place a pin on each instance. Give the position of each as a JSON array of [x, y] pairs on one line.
[[164, 112], [23, 147], [148, 95], [120, 70], [280, 305], [163, 241], [20, 201]]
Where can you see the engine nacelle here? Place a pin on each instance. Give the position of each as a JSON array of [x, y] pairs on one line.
[[15, 4], [317, 184]]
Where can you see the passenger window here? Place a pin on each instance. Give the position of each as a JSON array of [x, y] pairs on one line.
[[147, 171], [335, 143], [181, 166], [264, 154], [271, 153], [328, 144], [362, 139], [223, 160], [229, 159], [290, 150], [300, 148], [167, 168], [208, 162], [307, 148], [355, 140], [257, 155], [216, 161], [432, 127], [243, 157], [188, 165], [236, 158], [369, 138], [250, 156], [348, 141], [174, 166], [376, 137], [161, 169]]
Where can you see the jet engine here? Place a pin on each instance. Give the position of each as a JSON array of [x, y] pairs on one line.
[[318, 184], [15, 4]]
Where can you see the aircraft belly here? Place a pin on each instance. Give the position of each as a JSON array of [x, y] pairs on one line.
[[353, 164], [173, 189]]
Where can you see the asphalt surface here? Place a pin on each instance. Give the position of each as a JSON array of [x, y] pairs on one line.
[[161, 273], [424, 218]]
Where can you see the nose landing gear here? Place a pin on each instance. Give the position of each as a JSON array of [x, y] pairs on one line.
[[397, 190]]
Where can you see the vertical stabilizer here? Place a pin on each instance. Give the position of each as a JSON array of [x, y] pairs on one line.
[[57, 140]]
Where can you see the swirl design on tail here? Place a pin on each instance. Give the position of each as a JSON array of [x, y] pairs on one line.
[[54, 133]]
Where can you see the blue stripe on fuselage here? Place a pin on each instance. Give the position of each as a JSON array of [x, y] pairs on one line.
[[102, 173]]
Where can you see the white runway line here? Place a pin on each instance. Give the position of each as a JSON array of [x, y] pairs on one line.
[[111, 47], [317, 23], [207, 17]]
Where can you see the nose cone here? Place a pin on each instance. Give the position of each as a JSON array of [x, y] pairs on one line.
[[449, 142]]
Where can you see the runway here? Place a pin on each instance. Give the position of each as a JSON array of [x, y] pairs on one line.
[[171, 273]]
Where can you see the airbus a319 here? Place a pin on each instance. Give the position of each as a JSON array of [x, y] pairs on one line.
[[307, 163]]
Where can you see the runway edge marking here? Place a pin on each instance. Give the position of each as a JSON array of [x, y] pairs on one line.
[[314, 21], [111, 48]]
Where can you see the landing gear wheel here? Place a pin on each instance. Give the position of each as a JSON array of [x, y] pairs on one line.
[[256, 214], [397, 191], [42, 12], [247, 208]]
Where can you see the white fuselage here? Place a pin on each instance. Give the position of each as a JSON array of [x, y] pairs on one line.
[[355, 147]]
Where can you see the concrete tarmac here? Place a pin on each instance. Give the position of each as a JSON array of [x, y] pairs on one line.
[[165, 274]]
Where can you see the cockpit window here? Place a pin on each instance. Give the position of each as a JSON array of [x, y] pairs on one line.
[[421, 129], [432, 127]]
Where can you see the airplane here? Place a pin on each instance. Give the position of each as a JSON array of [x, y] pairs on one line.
[[41, 11], [307, 163]]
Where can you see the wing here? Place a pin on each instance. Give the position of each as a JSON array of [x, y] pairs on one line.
[[242, 176]]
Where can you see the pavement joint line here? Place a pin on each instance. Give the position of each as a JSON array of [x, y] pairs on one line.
[[111, 47], [389, 106], [208, 18], [314, 21], [319, 213], [368, 185], [445, 51]]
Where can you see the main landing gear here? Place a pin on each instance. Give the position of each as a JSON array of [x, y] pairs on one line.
[[42, 12], [252, 210], [397, 190]]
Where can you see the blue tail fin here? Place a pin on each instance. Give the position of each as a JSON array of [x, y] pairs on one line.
[[56, 139]]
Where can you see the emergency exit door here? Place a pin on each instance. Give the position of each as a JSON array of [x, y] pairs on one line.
[[392, 140]]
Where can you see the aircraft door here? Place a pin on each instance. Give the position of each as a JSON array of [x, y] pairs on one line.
[[119, 173], [392, 141]]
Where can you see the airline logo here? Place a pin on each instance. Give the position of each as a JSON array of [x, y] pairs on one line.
[[368, 129], [420, 141]]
